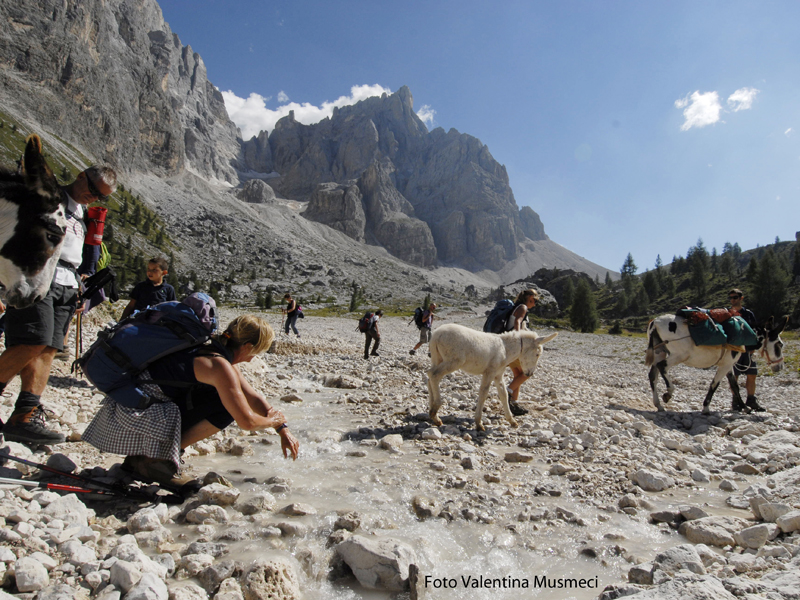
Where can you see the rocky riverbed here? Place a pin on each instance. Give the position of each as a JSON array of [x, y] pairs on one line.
[[594, 495]]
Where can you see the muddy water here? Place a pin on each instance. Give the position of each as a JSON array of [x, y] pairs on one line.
[[380, 487]]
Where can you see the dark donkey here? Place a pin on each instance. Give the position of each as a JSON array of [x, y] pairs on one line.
[[32, 227]]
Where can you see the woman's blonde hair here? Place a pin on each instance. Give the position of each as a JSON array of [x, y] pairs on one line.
[[247, 329], [525, 294]]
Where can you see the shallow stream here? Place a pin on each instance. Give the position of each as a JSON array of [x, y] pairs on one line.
[[380, 486]]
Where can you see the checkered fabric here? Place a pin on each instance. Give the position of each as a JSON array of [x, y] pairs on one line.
[[154, 432]]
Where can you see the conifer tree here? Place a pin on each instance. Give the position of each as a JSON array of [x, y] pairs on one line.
[[796, 260], [583, 314], [768, 288], [569, 294]]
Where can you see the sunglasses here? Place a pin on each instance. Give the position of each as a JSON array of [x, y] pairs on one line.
[[93, 190], [733, 297]]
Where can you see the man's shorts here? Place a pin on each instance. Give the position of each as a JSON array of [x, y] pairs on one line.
[[44, 323], [424, 335], [746, 365]]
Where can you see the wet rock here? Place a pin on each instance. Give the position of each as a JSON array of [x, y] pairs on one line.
[[211, 577], [275, 579], [349, 521], [677, 558], [641, 574], [292, 529], [219, 494], [378, 563], [518, 457], [651, 481], [213, 549], [712, 531], [425, 508], [393, 441], [745, 469], [291, 398], [192, 564], [726, 485], [691, 513], [207, 514], [261, 502], [298, 509], [628, 501], [471, 463], [31, 575], [665, 516]]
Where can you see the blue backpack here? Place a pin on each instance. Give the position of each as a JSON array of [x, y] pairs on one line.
[[498, 317], [114, 363]]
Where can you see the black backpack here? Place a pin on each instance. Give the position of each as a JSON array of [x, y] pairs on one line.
[[418, 312], [498, 317], [364, 322]]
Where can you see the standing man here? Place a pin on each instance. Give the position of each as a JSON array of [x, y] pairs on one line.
[[747, 361], [372, 333], [36, 333], [425, 330]]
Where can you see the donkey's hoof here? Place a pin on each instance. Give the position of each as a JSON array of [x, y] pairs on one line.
[[435, 419], [659, 407], [666, 397], [706, 410], [480, 427], [513, 423]]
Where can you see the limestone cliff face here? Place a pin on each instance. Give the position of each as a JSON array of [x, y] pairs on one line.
[[428, 198], [112, 74]]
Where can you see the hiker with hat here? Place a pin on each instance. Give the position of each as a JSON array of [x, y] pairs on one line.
[[35, 334], [371, 333], [746, 364]]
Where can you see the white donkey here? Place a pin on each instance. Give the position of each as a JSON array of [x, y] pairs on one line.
[[670, 344], [455, 347]]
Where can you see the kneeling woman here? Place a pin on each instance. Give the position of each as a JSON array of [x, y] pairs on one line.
[[209, 394]]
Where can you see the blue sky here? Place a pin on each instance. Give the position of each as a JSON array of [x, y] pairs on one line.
[[628, 126]]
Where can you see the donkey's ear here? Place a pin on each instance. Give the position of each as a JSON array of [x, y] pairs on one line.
[[38, 175], [547, 339], [780, 325]]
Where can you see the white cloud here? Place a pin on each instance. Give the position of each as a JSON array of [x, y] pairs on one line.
[[426, 114], [251, 114], [788, 132], [699, 109], [742, 99], [283, 97]]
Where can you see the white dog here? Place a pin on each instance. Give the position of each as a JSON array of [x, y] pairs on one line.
[[455, 347]]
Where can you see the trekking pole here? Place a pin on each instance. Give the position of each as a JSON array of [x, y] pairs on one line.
[[117, 488], [57, 487]]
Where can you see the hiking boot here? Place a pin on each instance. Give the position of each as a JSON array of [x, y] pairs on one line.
[[63, 355], [412, 352], [753, 404], [156, 470], [374, 354], [516, 409], [738, 406], [28, 427]]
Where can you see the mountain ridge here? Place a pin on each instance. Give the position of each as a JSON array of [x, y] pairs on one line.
[[110, 81]]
